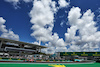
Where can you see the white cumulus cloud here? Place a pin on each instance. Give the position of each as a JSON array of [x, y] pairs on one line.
[[27, 1], [16, 2], [42, 18], [2, 26], [56, 41], [88, 34], [10, 35], [63, 3], [7, 33]]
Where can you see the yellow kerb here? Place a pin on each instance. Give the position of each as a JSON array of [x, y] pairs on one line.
[[57, 65]]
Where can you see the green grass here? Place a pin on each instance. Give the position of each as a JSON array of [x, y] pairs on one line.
[[47, 65]]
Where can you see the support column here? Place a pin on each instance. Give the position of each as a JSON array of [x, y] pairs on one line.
[[21, 46], [39, 49], [0, 44]]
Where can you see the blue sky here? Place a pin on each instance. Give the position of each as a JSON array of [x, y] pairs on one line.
[[18, 18]]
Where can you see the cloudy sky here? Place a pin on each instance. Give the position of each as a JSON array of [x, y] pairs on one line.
[[61, 25]]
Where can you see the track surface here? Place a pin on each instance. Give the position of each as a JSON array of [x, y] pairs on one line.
[[48, 65]]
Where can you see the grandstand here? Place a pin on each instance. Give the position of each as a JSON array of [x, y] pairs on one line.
[[80, 55], [12, 49]]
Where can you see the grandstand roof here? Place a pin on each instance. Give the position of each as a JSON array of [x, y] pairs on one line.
[[21, 43]]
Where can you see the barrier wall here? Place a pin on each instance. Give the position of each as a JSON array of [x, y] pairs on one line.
[[80, 53]]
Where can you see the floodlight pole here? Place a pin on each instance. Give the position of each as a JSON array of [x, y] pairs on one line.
[[39, 42]]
